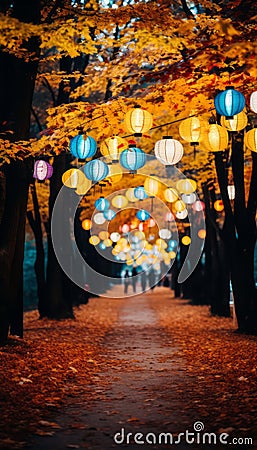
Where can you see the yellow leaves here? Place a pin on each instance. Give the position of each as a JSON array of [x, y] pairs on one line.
[[225, 27]]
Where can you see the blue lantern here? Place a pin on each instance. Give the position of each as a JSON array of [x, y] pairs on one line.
[[230, 102], [102, 204], [102, 246], [139, 192], [132, 159], [96, 170], [83, 147], [142, 214], [109, 214], [172, 244]]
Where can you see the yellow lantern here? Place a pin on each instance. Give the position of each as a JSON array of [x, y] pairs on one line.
[[161, 244], [186, 240], [217, 138], [107, 242], [103, 235], [151, 185], [179, 206], [94, 240], [192, 130], [251, 139], [73, 178], [218, 205], [130, 195], [119, 201], [170, 195], [237, 123], [115, 174], [112, 146], [172, 255], [138, 121], [86, 224], [186, 186], [202, 234], [83, 187]]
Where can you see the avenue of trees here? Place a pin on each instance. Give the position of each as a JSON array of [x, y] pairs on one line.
[[70, 66]]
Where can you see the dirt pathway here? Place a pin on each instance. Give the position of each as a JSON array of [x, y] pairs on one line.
[[147, 391]]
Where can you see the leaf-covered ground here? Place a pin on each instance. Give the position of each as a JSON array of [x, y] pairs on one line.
[[150, 363]]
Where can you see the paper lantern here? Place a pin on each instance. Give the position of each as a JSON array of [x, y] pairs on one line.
[[151, 223], [152, 185], [132, 159], [164, 233], [115, 236], [251, 139], [84, 186], [109, 214], [172, 243], [229, 102], [130, 194], [202, 234], [188, 199], [186, 186], [168, 151], [218, 205], [231, 192], [162, 245], [169, 217], [115, 174], [86, 224], [253, 102], [179, 206], [185, 240], [198, 206], [101, 204], [142, 215], [237, 123], [140, 193], [96, 170], [83, 146], [181, 214], [42, 170], [102, 246], [99, 218], [112, 147], [217, 138], [125, 228], [170, 195], [103, 235], [138, 121], [94, 240], [119, 201], [73, 178], [172, 255], [192, 130], [107, 242]]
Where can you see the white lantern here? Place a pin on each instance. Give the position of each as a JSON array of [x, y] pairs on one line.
[[231, 192], [253, 102], [99, 218], [181, 214], [164, 233], [168, 151]]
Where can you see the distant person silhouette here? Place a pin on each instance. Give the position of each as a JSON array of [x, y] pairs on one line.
[[134, 273], [151, 279], [143, 280], [126, 281]]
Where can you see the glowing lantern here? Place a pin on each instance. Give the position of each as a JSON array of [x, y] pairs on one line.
[[218, 205], [130, 194], [172, 255], [151, 223], [73, 178], [253, 102], [94, 240], [125, 228], [103, 235], [42, 170], [164, 233], [251, 139], [237, 123], [201, 234], [140, 193], [198, 206], [112, 146], [102, 246], [115, 236], [132, 159], [169, 217], [185, 240], [151, 185], [168, 151], [179, 206], [138, 121], [161, 244], [102, 204], [86, 224], [141, 227], [119, 201], [231, 192], [96, 170], [83, 146], [82, 188], [173, 243], [170, 195], [115, 174], [107, 242], [229, 102], [217, 138], [189, 199], [109, 214], [181, 214], [142, 214], [186, 186], [192, 130], [99, 218]]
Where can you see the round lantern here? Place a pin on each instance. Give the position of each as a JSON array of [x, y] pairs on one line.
[[172, 255], [112, 147], [99, 218], [189, 199], [130, 194], [181, 214], [253, 102], [94, 240], [179, 206], [109, 214], [82, 188], [169, 217], [83, 146], [168, 151], [229, 102], [151, 223], [101, 204], [218, 205], [73, 178], [96, 170], [251, 139], [164, 233], [186, 240], [231, 192], [192, 130], [86, 224], [202, 234], [115, 174], [142, 215], [151, 185], [172, 244], [115, 236], [42, 170], [186, 186], [107, 243], [119, 201], [237, 123], [140, 193], [103, 235], [102, 246], [125, 228], [138, 121], [170, 195], [198, 206], [132, 159], [217, 138]]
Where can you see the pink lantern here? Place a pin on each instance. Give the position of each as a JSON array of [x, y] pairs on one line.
[[42, 170], [125, 228], [198, 206]]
